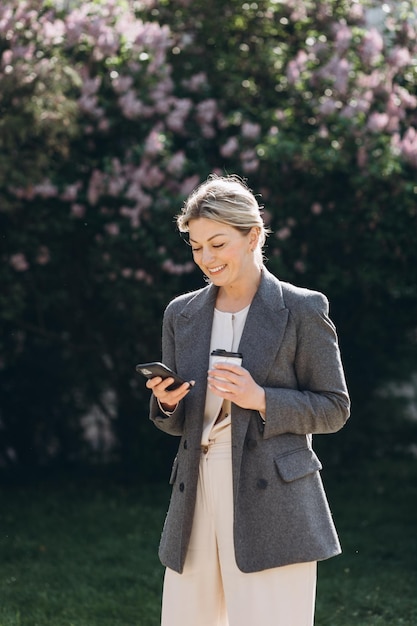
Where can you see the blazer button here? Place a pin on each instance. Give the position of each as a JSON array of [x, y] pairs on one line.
[[262, 483], [182, 487], [251, 444]]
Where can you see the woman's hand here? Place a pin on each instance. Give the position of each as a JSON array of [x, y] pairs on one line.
[[168, 399], [234, 383]]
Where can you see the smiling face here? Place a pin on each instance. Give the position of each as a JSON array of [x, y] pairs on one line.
[[223, 253]]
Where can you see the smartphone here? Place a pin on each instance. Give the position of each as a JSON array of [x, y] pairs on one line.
[[150, 370]]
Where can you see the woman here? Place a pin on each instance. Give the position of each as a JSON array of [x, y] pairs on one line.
[[248, 517]]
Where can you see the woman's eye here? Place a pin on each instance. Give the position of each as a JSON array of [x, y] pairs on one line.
[[195, 249], [218, 245]]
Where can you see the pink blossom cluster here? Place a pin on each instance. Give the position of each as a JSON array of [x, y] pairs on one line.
[[243, 144], [19, 262], [406, 145], [352, 74], [177, 268], [363, 83]]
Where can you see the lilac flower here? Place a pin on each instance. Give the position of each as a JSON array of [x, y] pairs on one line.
[[175, 120], [250, 161], [154, 178], [130, 106], [300, 266], [154, 143], [229, 148], [377, 122], [90, 86], [336, 71], [112, 229], [343, 37], [206, 111], [70, 192], [323, 131], [316, 208], [95, 187], [176, 268], [251, 130], [143, 276], [195, 83], [362, 157], [45, 189], [116, 184], [89, 104], [407, 100], [19, 262], [23, 193], [408, 146], [327, 106], [121, 84], [372, 46], [371, 81], [299, 10], [176, 163], [356, 12], [399, 57], [78, 210], [189, 184], [296, 66], [6, 58], [53, 33], [283, 233], [133, 214], [43, 257]]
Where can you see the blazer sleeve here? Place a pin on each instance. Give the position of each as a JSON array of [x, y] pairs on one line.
[[170, 423], [320, 402]]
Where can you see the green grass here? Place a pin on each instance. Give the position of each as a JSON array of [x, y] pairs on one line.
[[80, 554], [374, 582], [84, 553]]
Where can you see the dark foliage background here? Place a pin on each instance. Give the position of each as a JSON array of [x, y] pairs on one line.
[[110, 113]]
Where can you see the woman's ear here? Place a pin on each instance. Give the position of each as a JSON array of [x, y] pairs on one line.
[[254, 237]]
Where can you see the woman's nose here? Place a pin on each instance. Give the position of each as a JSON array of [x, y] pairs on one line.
[[207, 255]]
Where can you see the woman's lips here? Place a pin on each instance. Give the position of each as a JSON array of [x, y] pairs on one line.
[[216, 270]]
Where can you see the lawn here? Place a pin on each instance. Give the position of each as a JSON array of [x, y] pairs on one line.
[[83, 552]]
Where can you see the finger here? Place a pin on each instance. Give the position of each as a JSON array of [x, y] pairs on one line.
[[224, 377], [173, 396], [232, 367], [222, 386], [151, 383], [161, 383]]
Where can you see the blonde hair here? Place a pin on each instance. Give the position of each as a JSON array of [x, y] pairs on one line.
[[225, 199]]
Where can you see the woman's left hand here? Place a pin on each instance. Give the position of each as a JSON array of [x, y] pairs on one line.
[[234, 383]]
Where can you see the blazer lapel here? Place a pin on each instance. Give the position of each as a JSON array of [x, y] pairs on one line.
[[261, 339], [193, 334], [264, 328]]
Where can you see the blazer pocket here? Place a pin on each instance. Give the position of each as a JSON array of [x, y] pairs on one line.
[[174, 471], [297, 464]]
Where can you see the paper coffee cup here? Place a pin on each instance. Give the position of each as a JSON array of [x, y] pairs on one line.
[[224, 356]]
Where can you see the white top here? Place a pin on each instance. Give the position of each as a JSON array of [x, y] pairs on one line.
[[226, 333]]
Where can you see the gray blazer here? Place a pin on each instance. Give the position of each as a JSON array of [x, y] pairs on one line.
[[289, 346]]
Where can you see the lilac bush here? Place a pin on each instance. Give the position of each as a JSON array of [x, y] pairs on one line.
[[111, 113], [92, 159]]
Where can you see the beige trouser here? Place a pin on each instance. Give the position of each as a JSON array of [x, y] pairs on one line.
[[212, 591]]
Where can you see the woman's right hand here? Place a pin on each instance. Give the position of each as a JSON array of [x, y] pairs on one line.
[[168, 399]]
